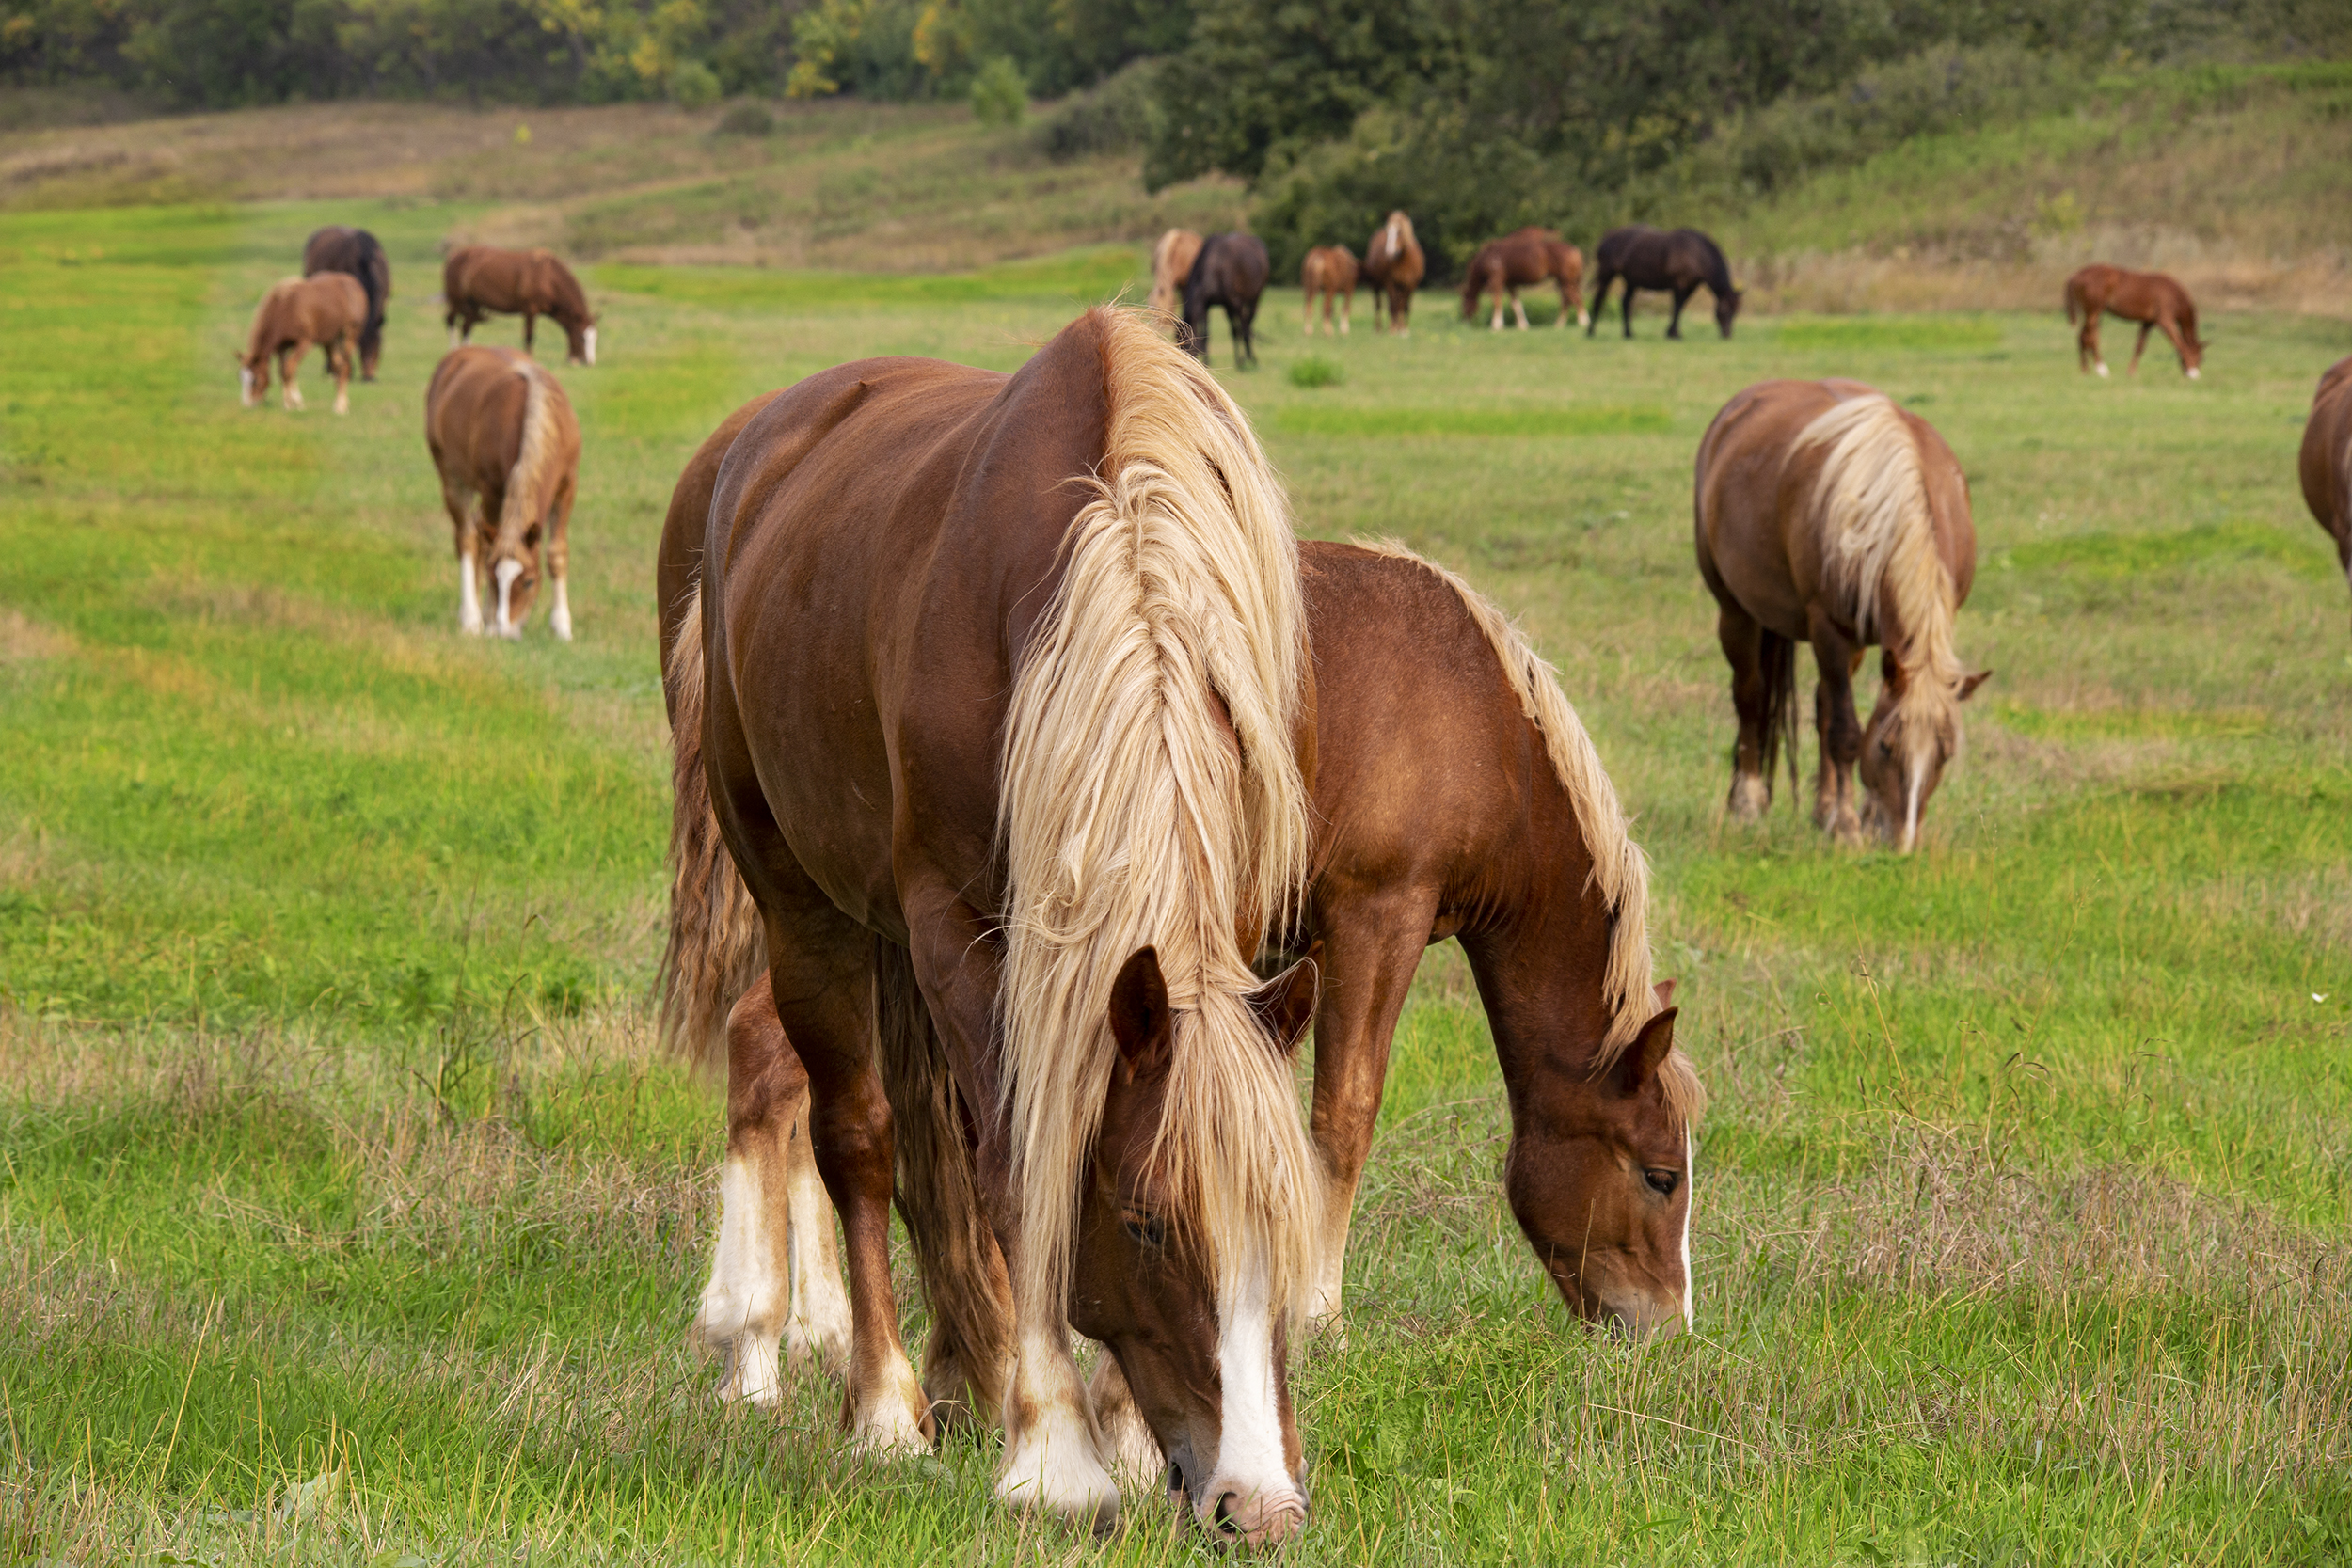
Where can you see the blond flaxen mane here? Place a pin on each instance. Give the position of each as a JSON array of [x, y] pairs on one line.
[[530, 484], [1620, 870], [1131, 819]]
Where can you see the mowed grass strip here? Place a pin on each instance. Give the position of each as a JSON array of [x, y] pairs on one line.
[[332, 1138]]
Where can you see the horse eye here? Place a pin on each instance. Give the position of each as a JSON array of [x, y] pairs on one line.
[[1144, 1230], [1662, 1181]]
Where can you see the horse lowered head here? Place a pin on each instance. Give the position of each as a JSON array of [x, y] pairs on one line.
[[1728, 309], [1912, 737], [1189, 1309], [1600, 1179]]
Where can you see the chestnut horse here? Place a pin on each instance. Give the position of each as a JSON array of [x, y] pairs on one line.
[[2327, 460], [1230, 271], [1678, 263], [1019, 810], [1394, 267], [328, 310], [2153, 299], [481, 279], [507, 449], [1329, 270], [1523, 257], [336, 248], [1171, 265], [1827, 515], [1445, 750]]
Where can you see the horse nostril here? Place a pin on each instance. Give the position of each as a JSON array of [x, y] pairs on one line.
[[1223, 1518]]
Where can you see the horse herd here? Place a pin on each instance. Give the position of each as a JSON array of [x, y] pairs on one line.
[[1035, 790]]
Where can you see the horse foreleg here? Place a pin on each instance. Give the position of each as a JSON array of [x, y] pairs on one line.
[[339, 360], [469, 536], [530, 321], [2180, 346], [1347, 311], [560, 561], [1742, 642], [1625, 308], [289, 365], [2092, 359], [1682, 297], [1839, 730], [2139, 348], [1518, 308]]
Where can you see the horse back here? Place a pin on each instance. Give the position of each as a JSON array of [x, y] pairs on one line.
[[473, 415], [2326, 463], [1752, 497]]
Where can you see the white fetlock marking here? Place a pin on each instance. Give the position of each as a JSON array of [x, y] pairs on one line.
[[468, 598], [888, 1420], [560, 618], [592, 345], [818, 1327], [2192, 373], [744, 1301], [1053, 1462], [343, 401], [293, 396], [2103, 367]]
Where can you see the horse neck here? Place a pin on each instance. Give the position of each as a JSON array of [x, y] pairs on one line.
[[1539, 951]]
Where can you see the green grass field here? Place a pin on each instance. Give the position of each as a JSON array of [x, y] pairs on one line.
[[332, 1143]]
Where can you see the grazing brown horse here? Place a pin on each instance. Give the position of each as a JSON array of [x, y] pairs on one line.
[[1329, 270], [1678, 263], [1021, 811], [481, 279], [2153, 299], [2327, 462], [1827, 515], [1457, 794], [507, 449], [1171, 265], [1393, 268], [1523, 257], [1230, 270], [336, 248], [328, 310]]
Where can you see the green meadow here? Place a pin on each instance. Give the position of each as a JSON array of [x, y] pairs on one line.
[[347, 1213]]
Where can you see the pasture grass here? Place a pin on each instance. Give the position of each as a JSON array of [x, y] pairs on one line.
[[333, 1145]]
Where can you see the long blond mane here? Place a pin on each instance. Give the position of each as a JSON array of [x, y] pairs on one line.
[[530, 484], [1131, 819], [1168, 284], [1620, 870], [1878, 548]]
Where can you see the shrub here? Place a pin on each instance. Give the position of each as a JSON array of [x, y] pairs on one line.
[[1114, 116], [1315, 371], [748, 119], [999, 96], [694, 86]]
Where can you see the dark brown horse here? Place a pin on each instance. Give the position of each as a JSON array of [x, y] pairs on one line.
[[328, 312], [2327, 462], [1393, 268], [1021, 811], [2155, 300], [336, 248], [1328, 271], [478, 280], [507, 449], [1523, 257], [1457, 795], [1827, 515], [1230, 271], [1678, 263]]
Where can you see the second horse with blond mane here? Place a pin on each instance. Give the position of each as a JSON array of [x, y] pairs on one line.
[[1826, 514], [507, 449], [1021, 813]]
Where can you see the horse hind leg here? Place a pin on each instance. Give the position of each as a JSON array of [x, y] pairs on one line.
[[1839, 731], [290, 365], [1743, 644], [1518, 308]]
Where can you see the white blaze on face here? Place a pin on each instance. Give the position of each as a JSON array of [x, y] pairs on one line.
[[1911, 809], [469, 601], [244, 385], [1395, 243], [1690, 1168], [506, 572], [591, 336], [1250, 1465]]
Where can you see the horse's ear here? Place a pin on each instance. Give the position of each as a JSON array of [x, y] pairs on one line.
[[1648, 1053], [1968, 684], [1286, 1004], [1141, 1022], [1664, 991]]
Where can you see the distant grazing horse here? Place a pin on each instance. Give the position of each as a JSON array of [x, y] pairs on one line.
[[353, 251], [1394, 266], [480, 279], [2151, 298], [1230, 271], [1171, 265], [507, 447], [1650, 257], [1523, 257], [1827, 515], [1330, 271], [2326, 463], [328, 310], [1022, 661]]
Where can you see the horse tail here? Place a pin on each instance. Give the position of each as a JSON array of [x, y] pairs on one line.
[[717, 946], [938, 1197], [1151, 796], [1777, 661], [375, 278]]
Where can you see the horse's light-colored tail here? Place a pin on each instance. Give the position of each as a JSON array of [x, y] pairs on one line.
[[1151, 796], [717, 946]]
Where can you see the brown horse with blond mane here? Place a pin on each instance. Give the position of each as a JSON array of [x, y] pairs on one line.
[[478, 280], [1171, 267], [2327, 460], [1415, 674], [1523, 257], [330, 310], [507, 449], [2155, 300], [1021, 813], [1827, 515], [1393, 268], [1328, 271]]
